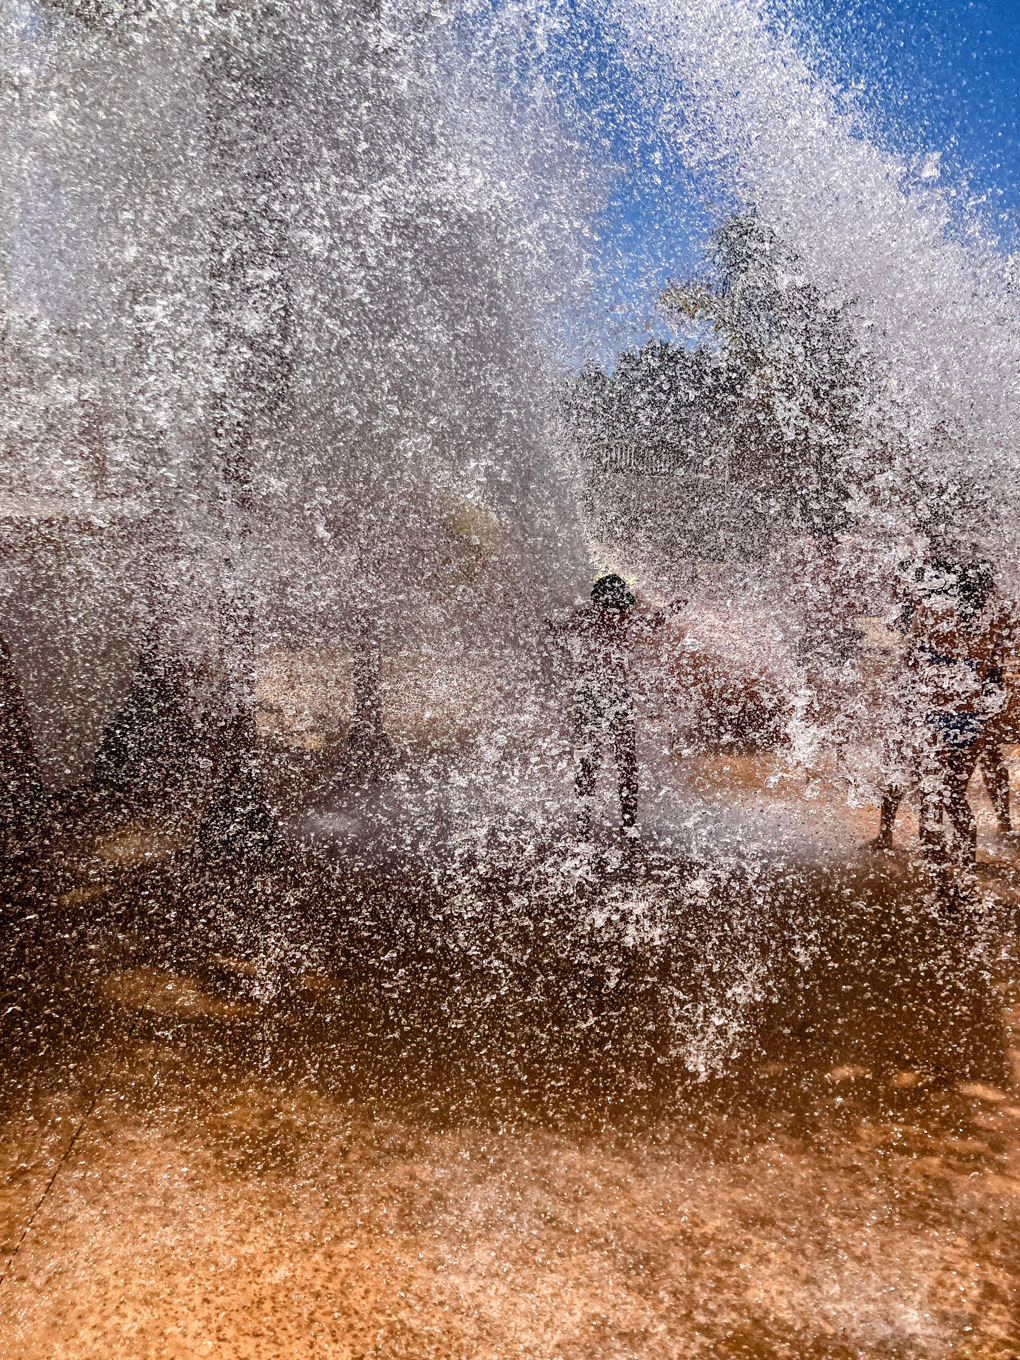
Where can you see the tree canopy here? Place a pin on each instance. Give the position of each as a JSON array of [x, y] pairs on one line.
[[762, 425]]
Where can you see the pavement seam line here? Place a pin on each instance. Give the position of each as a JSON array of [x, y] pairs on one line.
[[121, 1051]]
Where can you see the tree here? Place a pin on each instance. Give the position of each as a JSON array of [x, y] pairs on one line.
[[757, 435], [654, 464], [806, 377]]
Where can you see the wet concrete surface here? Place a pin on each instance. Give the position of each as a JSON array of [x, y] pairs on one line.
[[306, 1112]]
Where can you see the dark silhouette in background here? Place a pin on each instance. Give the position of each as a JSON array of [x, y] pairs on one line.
[[600, 641]]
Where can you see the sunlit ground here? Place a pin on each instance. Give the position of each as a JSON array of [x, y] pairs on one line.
[[194, 1168]]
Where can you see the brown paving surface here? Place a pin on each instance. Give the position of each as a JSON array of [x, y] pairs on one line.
[[199, 1215], [219, 1201], [818, 798]]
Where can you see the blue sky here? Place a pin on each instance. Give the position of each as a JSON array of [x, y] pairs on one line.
[[930, 77], [936, 77]]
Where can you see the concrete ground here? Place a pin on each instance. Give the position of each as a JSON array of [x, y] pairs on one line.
[[234, 1156]]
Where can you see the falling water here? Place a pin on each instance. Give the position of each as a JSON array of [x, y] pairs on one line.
[[927, 291], [330, 1026]]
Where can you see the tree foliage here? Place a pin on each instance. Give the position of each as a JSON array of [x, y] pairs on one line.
[[764, 427]]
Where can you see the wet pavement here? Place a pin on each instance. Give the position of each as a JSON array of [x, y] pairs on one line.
[[236, 1131]]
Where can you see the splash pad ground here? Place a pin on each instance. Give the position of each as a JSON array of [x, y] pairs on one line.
[[231, 1130]]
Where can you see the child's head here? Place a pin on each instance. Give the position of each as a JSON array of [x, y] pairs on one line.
[[611, 592]]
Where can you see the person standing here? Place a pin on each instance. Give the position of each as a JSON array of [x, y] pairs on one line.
[[900, 752], [600, 641], [955, 660], [994, 771]]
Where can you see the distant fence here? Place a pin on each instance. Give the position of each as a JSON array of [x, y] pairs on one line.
[[639, 459]]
